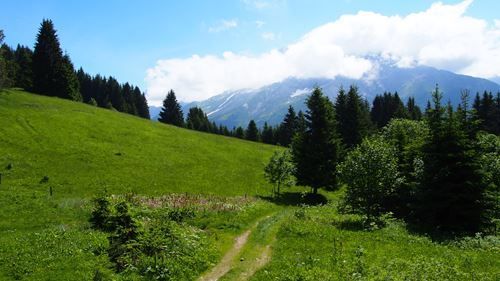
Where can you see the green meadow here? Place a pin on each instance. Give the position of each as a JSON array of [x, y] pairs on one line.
[[193, 192]]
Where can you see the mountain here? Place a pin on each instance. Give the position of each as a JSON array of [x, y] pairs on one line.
[[269, 103]]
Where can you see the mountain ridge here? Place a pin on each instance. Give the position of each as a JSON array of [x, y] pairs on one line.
[[269, 103]]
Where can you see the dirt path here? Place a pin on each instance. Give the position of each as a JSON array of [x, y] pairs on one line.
[[262, 260], [228, 261], [225, 264]]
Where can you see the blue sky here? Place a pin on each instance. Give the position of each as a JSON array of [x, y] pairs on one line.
[[125, 38]]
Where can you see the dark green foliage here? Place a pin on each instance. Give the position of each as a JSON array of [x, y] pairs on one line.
[[198, 120], [371, 174], [268, 134], [141, 103], [252, 133], [10, 68], [407, 137], [353, 117], [489, 148], [53, 72], [3, 75], [287, 128], [239, 132], [388, 106], [101, 213], [122, 242], [414, 112], [487, 112], [171, 112], [449, 196], [315, 152], [108, 93]]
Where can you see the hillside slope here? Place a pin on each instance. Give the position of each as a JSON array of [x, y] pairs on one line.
[[83, 149]]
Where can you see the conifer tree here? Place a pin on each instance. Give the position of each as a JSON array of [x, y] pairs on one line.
[[2, 63], [449, 196], [141, 104], [116, 94], [198, 120], [386, 107], [24, 74], [315, 152], [414, 112], [267, 134], [239, 132], [252, 133], [53, 72], [355, 118], [287, 128], [171, 112]]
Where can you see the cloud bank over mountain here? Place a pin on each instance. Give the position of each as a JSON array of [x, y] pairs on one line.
[[441, 36]]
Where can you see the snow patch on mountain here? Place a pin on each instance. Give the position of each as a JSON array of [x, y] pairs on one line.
[[300, 92]]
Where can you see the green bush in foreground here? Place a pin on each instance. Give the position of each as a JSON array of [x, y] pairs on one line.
[[372, 177]]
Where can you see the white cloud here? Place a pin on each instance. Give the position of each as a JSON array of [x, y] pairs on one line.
[[442, 36], [223, 25], [259, 23], [268, 36]]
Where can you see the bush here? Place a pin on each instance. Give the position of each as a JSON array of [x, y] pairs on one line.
[[371, 174], [101, 213]]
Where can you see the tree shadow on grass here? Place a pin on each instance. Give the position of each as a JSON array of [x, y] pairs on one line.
[[296, 199]]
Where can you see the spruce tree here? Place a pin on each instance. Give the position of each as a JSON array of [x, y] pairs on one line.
[[53, 72], [198, 120], [24, 75], [2, 63], [315, 151], [414, 112], [449, 195], [239, 132], [141, 104], [267, 134], [171, 112], [252, 133], [355, 119], [287, 128]]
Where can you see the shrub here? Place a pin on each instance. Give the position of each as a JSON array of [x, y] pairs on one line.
[[371, 174], [279, 171]]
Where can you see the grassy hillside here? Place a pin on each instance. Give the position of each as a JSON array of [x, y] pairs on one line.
[[79, 151], [84, 149]]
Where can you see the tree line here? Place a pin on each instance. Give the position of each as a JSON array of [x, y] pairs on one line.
[[46, 70], [439, 173]]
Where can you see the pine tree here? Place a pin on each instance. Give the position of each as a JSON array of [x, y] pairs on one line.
[[267, 134], [141, 104], [53, 72], [287, 128], [171, 112], [315, 152], [24, 75], [414, 112], [252, 133], [2, 63], [355, 119], [116, 93], [239, 133], [387, 107], [126, 99], [449, 196], [198, 120]]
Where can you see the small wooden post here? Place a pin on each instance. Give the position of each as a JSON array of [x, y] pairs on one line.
[[50, 190]]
